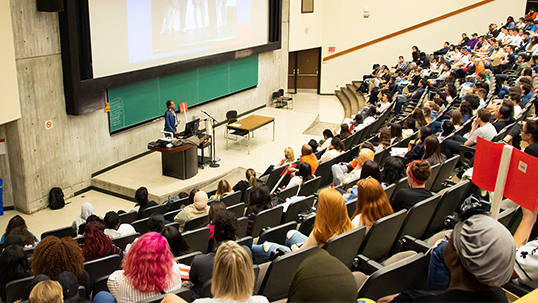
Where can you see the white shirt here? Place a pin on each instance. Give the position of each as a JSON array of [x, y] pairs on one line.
[[369, 120], [121, 289], [384, 107], [325, 144], [517, 110], [487, 132], [329, 155], [124, 230]]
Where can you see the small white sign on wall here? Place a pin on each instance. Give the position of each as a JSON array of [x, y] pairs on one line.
[[2, 146]]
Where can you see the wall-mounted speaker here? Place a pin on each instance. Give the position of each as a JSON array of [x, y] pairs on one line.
[[50, 5]]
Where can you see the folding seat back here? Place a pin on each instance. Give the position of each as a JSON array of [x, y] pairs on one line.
[[444, 173], [267, 218], [196, 222], [297, 207], [198, 239], [161, 209], [59, 232], [238, 209], [128, 217], [382, 235], [345, 246], [232, 199]]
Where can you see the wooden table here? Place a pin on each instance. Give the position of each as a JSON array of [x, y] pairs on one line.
[[179, 162], [250, 124]]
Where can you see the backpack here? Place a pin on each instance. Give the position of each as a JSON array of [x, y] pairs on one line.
[[56, 198]]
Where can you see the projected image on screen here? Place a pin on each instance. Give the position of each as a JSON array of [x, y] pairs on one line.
[[135, 34], [181, 24]]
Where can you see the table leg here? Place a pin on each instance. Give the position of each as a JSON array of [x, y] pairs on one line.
[[273, 130], [249, 142]]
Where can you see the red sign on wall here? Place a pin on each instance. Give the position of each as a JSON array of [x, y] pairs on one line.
[[332, 49]]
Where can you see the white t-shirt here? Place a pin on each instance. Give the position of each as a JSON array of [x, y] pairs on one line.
[[369, 120], [325, 144], [487, 132], [356, 220], [526, 265], [517, 110], [295, 181], [124, 230], [253, 299], [384, 107]]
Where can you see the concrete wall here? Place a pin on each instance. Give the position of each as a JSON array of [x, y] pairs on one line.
[[306, 30], [344, 27], [76, 146], [9, 102]]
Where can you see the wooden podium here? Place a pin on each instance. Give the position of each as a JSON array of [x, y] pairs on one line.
[[179, 162]]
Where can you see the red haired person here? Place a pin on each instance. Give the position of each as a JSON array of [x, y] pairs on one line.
[[97, 244], [149, 269]]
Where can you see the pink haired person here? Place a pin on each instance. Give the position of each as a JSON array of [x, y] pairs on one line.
[[148, 269]]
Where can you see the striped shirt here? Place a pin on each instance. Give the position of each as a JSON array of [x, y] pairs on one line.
[[121, 289]]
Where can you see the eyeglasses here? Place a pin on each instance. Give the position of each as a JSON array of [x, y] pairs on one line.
[[362, 181]]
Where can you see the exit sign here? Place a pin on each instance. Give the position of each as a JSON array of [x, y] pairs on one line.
[[331, 49]]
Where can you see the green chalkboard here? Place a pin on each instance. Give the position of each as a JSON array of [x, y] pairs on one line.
[[144, 101]]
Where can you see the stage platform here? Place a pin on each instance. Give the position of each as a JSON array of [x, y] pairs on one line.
[[290, 125]]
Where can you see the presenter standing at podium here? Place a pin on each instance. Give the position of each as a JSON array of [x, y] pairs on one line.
[[170, 118]]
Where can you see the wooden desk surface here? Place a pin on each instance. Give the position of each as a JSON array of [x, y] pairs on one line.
[[177, 149], [251, 122]]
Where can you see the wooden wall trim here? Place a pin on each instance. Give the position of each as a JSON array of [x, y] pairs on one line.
[[408, 29]]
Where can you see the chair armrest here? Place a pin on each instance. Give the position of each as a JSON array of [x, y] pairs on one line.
[[414, 244], [365, 265]]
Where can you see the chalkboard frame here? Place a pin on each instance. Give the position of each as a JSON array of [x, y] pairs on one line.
[[85, 94]]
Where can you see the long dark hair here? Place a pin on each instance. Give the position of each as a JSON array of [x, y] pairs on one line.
[[305, 171], [432, 149], [178, 246], [371, 169], [14, 264], [18, 224], [393, 170], [260, 198]]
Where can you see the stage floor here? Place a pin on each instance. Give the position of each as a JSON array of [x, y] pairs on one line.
[[146, 171]]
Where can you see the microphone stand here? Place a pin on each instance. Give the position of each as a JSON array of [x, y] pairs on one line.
[[214, 121]]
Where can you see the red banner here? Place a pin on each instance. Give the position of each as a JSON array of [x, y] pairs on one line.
[[486, 163], [522, 181], [183, 107]]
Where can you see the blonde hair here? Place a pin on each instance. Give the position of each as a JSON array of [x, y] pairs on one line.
[[47, 292], [366, 154], [251, 176], [332, 218], [233, 273], [288, 154], [222, 189]]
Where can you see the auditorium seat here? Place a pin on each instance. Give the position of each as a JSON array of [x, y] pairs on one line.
[[417, 219], [401, 184], [59, 232], [238, 209], [232, 199], [434, 171], [177, 204], [206, 289], [187, 258], [274, 177], [324, 171], [351, 207], [389, 190], [198, 239], [345, 246], [18, 289], [381, 236], [277, 234], [247, 241], [450, 201], [395, 278], [444, 173], [275, 283], [288, 192], [310, 187], [307, 225], [101, 267], [128, 217], [297, 207], [196, 222], [161, 208], [100, 284], [169, 216], [242, 227], [266, 218], [141, 225]]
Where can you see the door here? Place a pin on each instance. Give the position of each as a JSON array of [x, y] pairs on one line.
[[303, 70]]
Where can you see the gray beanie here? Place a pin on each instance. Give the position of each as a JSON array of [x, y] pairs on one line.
[[486, 248]]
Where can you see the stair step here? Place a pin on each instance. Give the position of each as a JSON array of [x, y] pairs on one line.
[[345, 102], [352, 100]]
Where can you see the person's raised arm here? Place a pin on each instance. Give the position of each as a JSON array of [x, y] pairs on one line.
[[525, 226]]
